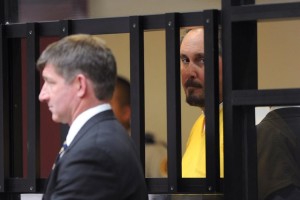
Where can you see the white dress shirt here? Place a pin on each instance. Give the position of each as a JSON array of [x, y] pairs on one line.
[[82, 119]]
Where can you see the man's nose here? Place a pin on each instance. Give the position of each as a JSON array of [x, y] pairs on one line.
[[192, 68], [43, 94]]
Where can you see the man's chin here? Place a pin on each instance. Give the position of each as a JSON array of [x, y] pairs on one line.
[[192, 101], [55, 119]]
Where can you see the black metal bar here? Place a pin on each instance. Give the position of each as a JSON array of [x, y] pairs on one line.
[[212, 100], [157, 185], [15, 108], [8, 11], [18, 185], [65, 27], [50, 28], [266, 97], [33, 114], [270, 11], [191, 19], [197, 186], [244, 62], [102, 25], [2, 12], [173, 101], [239, 71], [137, 90], [186, 19], [15, 30], [9, 196], [2, 107], [229, 167], [244, 70], [193, 185], [230, 3], [21, 185], [250, 158]]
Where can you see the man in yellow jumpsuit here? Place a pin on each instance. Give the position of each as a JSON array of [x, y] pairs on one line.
[[192, 65]]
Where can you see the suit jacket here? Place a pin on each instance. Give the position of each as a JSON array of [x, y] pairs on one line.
[[278, 144], [100, 163]]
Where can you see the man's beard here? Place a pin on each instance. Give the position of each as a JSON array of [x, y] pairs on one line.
[[191, 98], [195, 100]]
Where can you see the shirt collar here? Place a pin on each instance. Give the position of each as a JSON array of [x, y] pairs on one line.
[[279, 107], [82, 119]]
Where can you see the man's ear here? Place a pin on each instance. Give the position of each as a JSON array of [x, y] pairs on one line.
[[126, 113], [81, 85]]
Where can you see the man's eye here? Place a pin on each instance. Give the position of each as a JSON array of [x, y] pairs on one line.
[[184, 60], [201, 61]]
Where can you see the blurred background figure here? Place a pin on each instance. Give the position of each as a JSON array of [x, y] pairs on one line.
[[156, 157], [156, 151], [120, 102]]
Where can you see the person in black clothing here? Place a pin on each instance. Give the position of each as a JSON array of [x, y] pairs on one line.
[[278, 143]]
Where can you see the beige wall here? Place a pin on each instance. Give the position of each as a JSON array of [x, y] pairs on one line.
[[114, 8], [278, 54], [278, 46]]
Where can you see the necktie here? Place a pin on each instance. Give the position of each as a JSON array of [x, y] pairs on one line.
[[63, 149], [61, 153]]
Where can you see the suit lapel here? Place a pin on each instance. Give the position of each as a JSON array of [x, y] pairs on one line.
[[102, 116]]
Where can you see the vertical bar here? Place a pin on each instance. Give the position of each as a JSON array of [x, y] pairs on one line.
[[15, 107], [244, 64], [173, 101], [212, 100], [2, 106], [65, 26], [33, 106], [232, 186], [2, 12], [251, 154], [239, 72], [137, 93], [9, 11]]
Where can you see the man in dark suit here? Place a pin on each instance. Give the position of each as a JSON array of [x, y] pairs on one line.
[[278, 143], [99, 160]]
